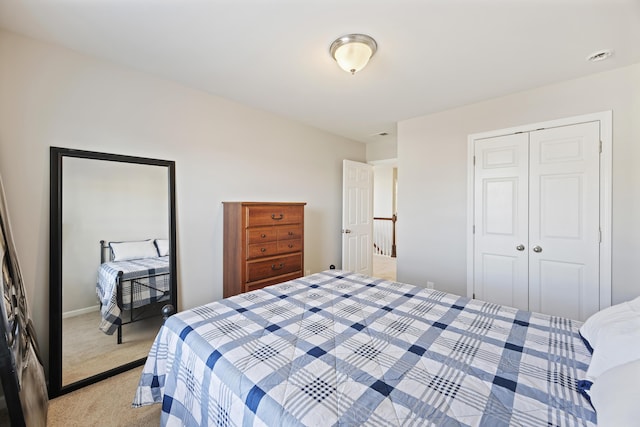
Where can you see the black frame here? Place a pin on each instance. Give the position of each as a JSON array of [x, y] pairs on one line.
[[55, 261]]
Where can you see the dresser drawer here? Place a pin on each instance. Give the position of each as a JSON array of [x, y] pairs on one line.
[[258, 216], [261, 250], [289, 232], [292, 245], [272, 281], [269, 249], [258, 270], [261, 235]]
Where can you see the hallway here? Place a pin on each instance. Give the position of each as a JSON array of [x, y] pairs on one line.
[[384, 267]]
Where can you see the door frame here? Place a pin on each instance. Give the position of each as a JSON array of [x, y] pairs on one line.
[[606, 137]]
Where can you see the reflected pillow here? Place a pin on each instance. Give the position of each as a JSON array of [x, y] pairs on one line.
[[123, 251], [615, 396], [163, 246]]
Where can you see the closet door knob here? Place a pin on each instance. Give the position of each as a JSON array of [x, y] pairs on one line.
[[520, 247], [537, 249]]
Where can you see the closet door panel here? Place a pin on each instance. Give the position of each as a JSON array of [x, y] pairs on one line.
[[501, 220], [564, 220], [563, 287]]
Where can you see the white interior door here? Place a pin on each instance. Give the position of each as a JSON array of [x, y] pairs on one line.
[[501, 220], [357, 217], [564, 230]]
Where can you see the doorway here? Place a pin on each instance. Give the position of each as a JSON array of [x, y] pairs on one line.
[[385, 216], [369, 215]]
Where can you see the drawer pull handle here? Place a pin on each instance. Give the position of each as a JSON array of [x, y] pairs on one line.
[[263, 235], [291, 233], [273, 216], [290, 245], [263, 249], [279, 267]]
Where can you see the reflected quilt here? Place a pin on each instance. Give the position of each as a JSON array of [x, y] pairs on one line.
[[153, 285], [343, 349]]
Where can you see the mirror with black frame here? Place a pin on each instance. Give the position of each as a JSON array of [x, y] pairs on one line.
[[112, 263]]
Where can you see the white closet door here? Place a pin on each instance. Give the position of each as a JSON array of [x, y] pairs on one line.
[[501, 220], [564, 229]]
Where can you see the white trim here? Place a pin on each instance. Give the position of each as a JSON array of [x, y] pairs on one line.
[[470, 212], [384, 162], [80, 311], [606, 170], [606, 206]]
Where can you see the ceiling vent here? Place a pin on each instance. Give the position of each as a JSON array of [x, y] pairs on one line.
[[599, 55]]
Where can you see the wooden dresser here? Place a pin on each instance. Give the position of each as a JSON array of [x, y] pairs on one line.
[[263, 244]]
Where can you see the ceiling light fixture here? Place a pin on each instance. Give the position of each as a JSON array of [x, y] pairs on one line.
[[353, 51]]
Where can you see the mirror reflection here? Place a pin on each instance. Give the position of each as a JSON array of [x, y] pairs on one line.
[[116, 230], [124, 206]]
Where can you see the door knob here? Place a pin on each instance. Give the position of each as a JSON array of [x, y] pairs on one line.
[[520, 247], [347, 231], [537, 249]]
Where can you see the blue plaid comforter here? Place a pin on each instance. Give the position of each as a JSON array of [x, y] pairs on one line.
[[343, 349], [148, 270]]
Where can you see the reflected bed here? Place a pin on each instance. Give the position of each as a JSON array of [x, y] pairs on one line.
[[129, 284], [337, 348]]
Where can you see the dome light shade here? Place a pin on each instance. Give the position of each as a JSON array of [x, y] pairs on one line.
[[352, 52]]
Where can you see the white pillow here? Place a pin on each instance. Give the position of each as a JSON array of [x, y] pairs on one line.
[[616, 346], [163, 246], [610, 318], [616, 394], [123, 251]]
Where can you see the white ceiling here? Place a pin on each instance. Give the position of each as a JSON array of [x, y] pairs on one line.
[[274, 54]]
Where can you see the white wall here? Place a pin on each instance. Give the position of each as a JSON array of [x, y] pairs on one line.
[[383, 188], [432, 167], [384, 149], [50, 96]]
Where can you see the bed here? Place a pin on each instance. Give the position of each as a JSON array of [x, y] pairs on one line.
[[338, 348], [132, 278]]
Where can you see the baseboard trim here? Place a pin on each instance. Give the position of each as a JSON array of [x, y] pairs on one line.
[[80, 311]]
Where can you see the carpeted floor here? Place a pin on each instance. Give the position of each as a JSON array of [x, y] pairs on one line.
[[88, 351], [106, 403], [384, 267]]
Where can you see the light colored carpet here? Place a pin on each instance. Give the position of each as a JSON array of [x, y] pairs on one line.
[[106, 403], [384, 267], [88, 351]]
